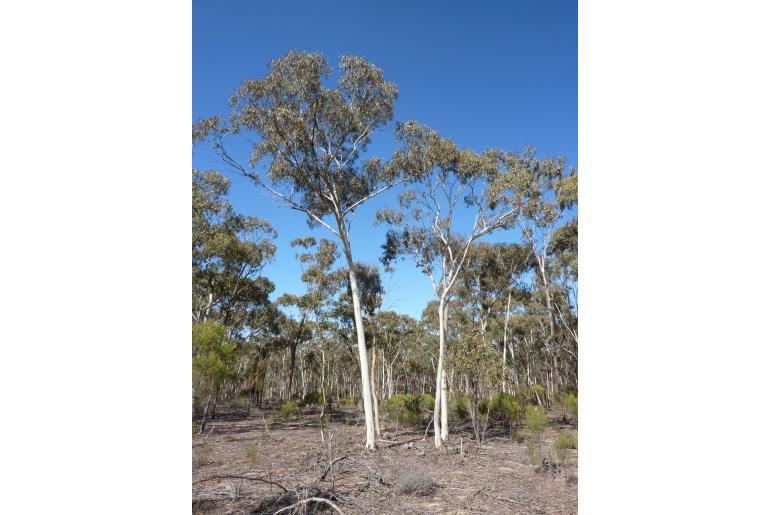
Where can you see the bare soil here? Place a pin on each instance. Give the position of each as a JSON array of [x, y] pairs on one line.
[[243, 465]]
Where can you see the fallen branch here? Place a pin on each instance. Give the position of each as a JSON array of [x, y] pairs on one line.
[[311, 499], [330, 465], [425, 435], [403, 443], [250, 478]]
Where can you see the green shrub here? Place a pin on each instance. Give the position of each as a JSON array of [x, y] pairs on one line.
[[427, 402], [459, 407], [348, 402], [535, 391], [313, 398], [535, 420], [565, 441], [562, 443], [251, 454], [506, 405], [532, 452], [288, 409], [570, 403], [404, 407]]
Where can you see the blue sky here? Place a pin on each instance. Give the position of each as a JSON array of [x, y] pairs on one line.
[[486, 74]]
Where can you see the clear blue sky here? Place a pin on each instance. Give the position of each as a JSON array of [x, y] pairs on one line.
[[487, 74]]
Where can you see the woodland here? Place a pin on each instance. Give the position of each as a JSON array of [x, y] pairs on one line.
[[326, 401]]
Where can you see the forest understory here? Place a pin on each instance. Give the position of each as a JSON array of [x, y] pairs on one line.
[[269, 463]]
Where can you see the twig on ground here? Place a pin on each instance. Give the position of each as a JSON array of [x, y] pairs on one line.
[[403, 443], [310, 499], [330, 465], [250, 478], [424, 436]]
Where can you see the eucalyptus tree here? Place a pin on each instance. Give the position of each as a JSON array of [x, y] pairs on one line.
[[549, 191], [314, 138], [229, 252], [443, 178]]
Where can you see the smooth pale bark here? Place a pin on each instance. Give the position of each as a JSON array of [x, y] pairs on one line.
[[441, 404], [373, 386], [366, 393], [444, 407], [438, 406]]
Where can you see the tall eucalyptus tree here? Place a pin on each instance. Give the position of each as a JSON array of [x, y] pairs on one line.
[[442, 179], [314, 138]]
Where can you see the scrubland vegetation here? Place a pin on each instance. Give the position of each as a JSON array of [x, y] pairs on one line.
[[326, 401]]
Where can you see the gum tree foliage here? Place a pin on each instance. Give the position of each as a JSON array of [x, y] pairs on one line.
[[312, 137], [445, 182]]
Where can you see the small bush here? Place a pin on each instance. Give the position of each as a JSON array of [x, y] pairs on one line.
[[404, 407], [535, 391], [562, 443], [535, 420], [459, 407], [313, 398], [506, 405], [348, 402], [532, 452], [251, 454], [415, 481], [570, 403], [565, 441], [287, 409], [427, 402]]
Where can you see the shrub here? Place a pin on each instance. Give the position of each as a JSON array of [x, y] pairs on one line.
[[532, 452], [287, 409], [415, 481], [565, 441], [348, 402], [251, 453], [459, 407], [570, 403], [535, 419], [404, 407], [562, 443], [427, 402], [535, 391], [313, 398], [506, 405]]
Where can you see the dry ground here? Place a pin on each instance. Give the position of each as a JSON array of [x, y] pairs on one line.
[[496, 477]]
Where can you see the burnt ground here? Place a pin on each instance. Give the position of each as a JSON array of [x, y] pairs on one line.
[[263, 455]]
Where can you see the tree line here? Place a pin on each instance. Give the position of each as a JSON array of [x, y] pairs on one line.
[[503, 317]]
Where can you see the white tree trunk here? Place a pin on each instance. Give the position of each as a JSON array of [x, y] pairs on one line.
[[439, 407], [375, 404], [366, 393]]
